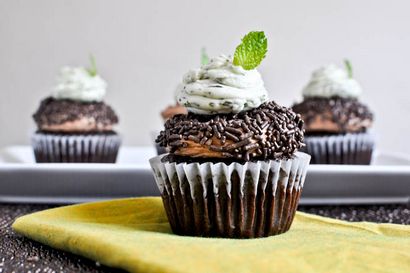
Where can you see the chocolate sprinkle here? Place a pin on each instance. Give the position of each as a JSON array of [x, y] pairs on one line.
[[345, 112], [267, 132], [54, 112]]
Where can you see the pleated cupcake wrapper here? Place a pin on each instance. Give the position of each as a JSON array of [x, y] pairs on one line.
[[255, 199], [98, 148], [340, 149]]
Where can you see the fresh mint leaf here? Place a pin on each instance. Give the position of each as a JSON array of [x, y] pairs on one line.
[[250, 53], [204, 57], [349, 68], [93, 69]]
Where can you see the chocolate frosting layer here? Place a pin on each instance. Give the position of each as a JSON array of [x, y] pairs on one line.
[[267, 132], [334, 115], [55, 114]]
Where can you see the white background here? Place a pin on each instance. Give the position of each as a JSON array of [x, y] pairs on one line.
[[144, 47]]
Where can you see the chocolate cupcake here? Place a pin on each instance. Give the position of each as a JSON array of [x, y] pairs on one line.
[[176, 108], [233, 169], [74, 124], [336, 122]]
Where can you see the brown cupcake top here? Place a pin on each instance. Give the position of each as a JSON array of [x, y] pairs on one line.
[[70, 116], [173, 110], [267, 132], [334, 115]]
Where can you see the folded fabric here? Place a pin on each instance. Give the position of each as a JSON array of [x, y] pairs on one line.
[[134, 234]]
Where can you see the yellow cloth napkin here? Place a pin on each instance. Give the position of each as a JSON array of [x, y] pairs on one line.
[[133, 234]]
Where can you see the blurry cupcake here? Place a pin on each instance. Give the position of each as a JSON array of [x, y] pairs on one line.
[[233, 169], [177, 109], [74, 124], [336, 122], [173, 110]]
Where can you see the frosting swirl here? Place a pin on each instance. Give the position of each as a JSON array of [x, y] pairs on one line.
[[76, 83], [332, 81], [221, 87]]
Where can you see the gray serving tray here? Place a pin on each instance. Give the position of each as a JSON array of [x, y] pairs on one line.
[[387, 180]]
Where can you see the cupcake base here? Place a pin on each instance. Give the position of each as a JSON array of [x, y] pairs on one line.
[[78, 148], [255, 199], [354, 149]]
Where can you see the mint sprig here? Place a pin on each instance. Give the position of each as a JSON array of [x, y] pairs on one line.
[[349, 68], [204, 56], [250, 53], [93, 69]]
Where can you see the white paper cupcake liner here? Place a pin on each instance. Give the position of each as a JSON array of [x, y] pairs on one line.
[[353, 149], [255, 199], [58, 148]]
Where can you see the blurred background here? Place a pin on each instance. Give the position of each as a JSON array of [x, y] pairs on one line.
[[143, 48]]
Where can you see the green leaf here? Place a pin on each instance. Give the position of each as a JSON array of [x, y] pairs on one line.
[[93, 69], [250, 53], [204, 57], [349, 68]]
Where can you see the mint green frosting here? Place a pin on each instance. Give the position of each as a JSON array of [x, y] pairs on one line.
[[221, 87], [75, 83]]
